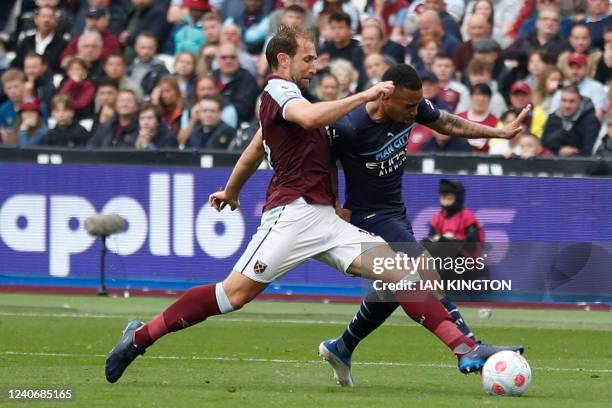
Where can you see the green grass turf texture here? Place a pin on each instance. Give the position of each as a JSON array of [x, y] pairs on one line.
[[266, 356]]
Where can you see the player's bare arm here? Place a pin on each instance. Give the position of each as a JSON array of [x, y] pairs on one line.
[[316, 115], [453, 125], [248, 162]]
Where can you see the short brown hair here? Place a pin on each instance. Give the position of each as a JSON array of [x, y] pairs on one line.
[[13, 75], [62, 100], [213, 98], [480, 66], [286, 42]]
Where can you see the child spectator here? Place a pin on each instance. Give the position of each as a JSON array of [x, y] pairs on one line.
[[106, 98], [454, 222], [152, 133], [13, 85], [81, 89], [167, 96], [31, 129], [328, 88], [185, 67], [67, 131], [531, 147], [211, 132], [480, 97]]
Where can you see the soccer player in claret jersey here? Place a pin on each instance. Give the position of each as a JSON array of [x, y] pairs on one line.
[[299, 220], [370, 142]]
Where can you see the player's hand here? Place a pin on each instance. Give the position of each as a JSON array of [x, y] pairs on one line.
[[566, 151], [221, 199], [384, 89], [514, 128], [344, 213]]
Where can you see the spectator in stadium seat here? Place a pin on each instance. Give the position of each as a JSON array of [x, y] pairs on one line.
[[453, 93], [431, 90], [167, 96], [373, 40], [211, 132], [211, 25], [529, 25], [89, 48], [440, 143], [146, 69], [293, 16], [603, 71], [546, 37], [254, 23], [209, 86], [537, 61], [231, 33], [115, 68], [430, 24], [147, 16], [106, 101], [429, 47], [325, 8], [481, 72], [577, 69], [479, 27], [480, 98], [122, 130], [39, 81], [235, 8], [597, 19], [489, 50], [580, 41], [81, 89], [184, 68], [45, 41], [310, 21], [449, 23], [328, 88], [347, 76], [117, 9], [375, 66], [98, 19], [13, 84], [67, 131], [30, 129], [152, 132], [387, 12], [239, 87], [572, 128], [531, 147], [549, 83], [605, 148], [189, 35], [343, 46], [520, 97], [63, 15]]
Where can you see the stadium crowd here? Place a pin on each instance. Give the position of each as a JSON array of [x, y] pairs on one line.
[[150, 74]]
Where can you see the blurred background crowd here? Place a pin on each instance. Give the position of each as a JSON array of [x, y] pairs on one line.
[[186, 74]]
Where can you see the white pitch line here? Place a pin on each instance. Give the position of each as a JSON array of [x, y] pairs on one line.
[[287, 361], [219, 319]]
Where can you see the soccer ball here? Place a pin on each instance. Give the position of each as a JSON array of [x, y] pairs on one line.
[[506, 373]]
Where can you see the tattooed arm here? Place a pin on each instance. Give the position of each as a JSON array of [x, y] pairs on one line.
[[453, 125]]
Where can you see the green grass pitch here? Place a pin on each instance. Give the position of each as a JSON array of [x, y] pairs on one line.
[[265, 356]]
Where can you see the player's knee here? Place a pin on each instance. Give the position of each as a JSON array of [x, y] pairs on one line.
[[239, 299]]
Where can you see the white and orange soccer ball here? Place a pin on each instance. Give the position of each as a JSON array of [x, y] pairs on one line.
[[506, 373]]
